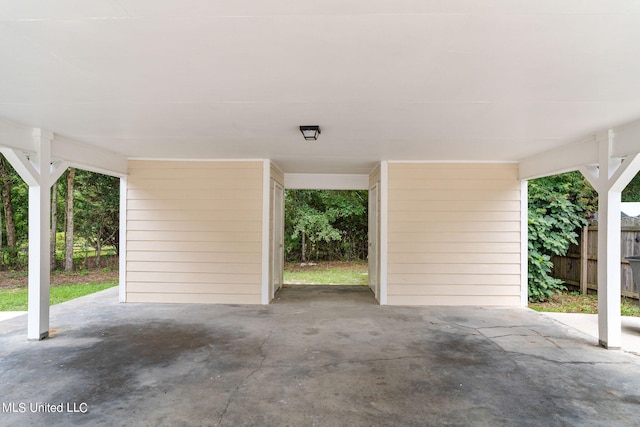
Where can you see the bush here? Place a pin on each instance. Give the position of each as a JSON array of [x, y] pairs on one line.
[[556, 210]]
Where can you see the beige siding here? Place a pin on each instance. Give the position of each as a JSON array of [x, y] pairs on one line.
[[454, 234], [194, 232]]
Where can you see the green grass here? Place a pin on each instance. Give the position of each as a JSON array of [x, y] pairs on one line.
[[574, 302], [328, 276], [16, 299]]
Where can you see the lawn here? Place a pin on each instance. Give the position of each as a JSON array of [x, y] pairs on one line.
[[574, 302], [326, 273], [64, 286]]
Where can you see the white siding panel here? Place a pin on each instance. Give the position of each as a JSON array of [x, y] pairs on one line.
[[453, 195], [193, 267], [204, 257], [179, 246], [454, 234], [192, 215], [182, 278], [457, 279], [193, 236], [459, 290], [484, 300], [197, 226], [458, 216], [453, 258], [192, 194], [406, 237], [189, 298], [191, 288], [213, 203], [454, 205], [455, 248], [194, 231], [446, 226], [459, 268]]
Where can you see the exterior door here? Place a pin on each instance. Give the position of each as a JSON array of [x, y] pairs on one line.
[[373, 241], [278, 238]]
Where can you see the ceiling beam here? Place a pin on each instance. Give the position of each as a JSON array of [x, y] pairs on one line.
[[16, 136], [21, 138], [565, 158], [626, 139], [88, 157], [576, 155]]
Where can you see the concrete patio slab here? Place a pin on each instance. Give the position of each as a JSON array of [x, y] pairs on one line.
[[318, 356], [588, 324], [4, 315]]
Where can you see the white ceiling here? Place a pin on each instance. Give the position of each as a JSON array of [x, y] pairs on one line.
[[491, 80]]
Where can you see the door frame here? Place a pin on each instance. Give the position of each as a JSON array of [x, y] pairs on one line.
[[277, 244], [373, 245]]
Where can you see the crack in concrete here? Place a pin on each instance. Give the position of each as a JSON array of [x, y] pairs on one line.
[[521, 354], [246, 378]]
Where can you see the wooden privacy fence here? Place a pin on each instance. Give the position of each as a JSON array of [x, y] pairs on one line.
[[580, 266]]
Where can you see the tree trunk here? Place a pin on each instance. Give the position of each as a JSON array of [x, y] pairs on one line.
[[98, 253], [304, 247], [8, 213], [68, 249], [54, 223]]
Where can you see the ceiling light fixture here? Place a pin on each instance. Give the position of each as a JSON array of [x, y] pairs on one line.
[[310, 133]]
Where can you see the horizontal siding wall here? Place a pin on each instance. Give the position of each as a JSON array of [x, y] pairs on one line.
[[454, 234], [194, 232]]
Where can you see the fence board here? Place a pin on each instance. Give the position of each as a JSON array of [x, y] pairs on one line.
[[574, 270]]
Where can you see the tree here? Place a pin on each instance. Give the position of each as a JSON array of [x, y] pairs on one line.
[[631, 193], [98, 210], [558, 206], [68, 247], [321, 224], [11, 235], [54, 223]]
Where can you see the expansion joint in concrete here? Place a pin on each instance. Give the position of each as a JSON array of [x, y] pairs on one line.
[[233, 393]]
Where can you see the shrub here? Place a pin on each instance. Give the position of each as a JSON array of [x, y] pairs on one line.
[[556, 211]]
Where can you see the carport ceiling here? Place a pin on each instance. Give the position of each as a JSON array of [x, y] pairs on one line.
[[385, 79]]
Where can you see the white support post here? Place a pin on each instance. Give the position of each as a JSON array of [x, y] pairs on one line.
[[609, 321], [609, 179], [266, 243], [122, 250], [524, 243], [39, 236], [384, 231]]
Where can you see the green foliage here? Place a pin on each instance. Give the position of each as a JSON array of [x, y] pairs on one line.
[[632, 192], [16, 258], [97, 206], [557, 208], [322, 224]]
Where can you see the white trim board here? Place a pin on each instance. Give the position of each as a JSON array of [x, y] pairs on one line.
[[266, 209], [319, 181]]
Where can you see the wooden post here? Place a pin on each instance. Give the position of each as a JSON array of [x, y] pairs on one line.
[[584, 259]]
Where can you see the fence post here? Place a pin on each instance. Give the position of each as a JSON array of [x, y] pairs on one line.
[[584, 259]]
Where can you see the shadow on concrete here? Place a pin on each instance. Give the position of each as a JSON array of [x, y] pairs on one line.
[[325, 294], [330, 357]]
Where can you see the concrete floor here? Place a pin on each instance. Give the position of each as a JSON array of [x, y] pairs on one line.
[[326, 356], [588, 323]]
